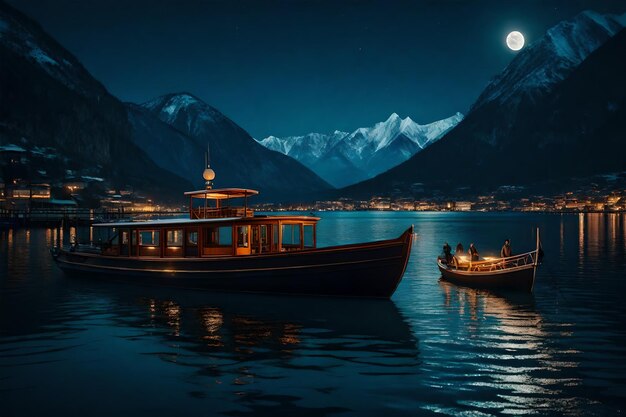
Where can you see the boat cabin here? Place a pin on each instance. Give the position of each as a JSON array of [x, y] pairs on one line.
[[201, 207], [215, 227]]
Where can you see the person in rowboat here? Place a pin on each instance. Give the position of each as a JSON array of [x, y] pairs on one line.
[[506, 251], [459, 249], [473, 252], [447, 253]]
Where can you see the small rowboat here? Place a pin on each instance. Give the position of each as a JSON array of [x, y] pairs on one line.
[[512, 273]]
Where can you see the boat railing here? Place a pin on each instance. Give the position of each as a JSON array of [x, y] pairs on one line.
[[495, 264], [213, 212]]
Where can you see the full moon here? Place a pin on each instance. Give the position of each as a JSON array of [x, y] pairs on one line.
[[515, 40]]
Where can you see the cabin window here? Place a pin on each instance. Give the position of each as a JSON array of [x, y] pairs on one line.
[[192, 238], [225, 236], [291, 235], [149, 238], [265, 239], [210, 237], [242, 236], [309, 237], [125, 249], [175, 238], [263, 233], [275, 230], [256, 239], [111, 245], [218, 236]]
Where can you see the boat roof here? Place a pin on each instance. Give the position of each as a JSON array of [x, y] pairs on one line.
[[161, 222], [187, 221], [222, 193]]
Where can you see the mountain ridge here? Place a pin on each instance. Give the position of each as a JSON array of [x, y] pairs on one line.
[[347, 157], [235, 156]]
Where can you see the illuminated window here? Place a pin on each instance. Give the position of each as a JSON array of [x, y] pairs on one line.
[[242, 236], [175, 238], [21, 193]]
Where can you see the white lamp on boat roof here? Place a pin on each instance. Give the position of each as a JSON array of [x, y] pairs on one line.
[[208, 174]]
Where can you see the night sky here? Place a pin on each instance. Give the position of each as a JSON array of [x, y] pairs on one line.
[[292, 67]]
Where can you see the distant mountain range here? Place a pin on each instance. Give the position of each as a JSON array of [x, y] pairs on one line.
[[48, 99], [556, 111], [343, 158]]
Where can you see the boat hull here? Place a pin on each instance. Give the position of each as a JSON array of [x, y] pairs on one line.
[[362, 270], [517, 279]]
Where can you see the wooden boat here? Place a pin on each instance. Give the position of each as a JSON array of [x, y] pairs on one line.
[[228, 248], [512, 273]]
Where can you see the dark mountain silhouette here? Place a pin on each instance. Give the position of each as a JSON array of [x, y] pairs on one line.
[[48, 99], [238, 160]]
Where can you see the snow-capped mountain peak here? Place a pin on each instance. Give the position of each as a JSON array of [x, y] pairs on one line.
[[307, 148], [171, 104], [575, 40], [407, 122], [276, 144], [184, 109], [26, 39], [385, 133]]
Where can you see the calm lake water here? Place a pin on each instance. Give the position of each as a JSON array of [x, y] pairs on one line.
[[82, 347]]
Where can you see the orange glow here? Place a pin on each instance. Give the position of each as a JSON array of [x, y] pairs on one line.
[[290, 334], [212, 319], [172, 311]]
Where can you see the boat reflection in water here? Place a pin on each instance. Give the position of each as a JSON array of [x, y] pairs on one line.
[[273, 344], [508, 347]]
